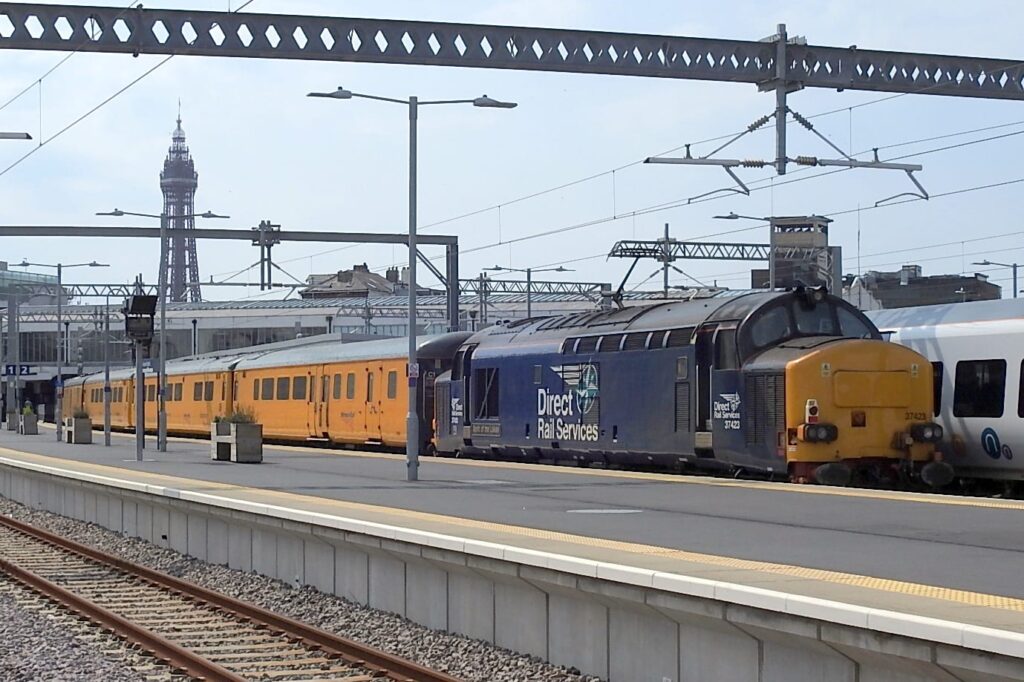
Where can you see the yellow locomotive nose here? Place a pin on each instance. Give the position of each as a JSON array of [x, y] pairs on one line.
[[858, 404]]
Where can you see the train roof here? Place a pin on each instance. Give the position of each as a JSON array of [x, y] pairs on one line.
[[438, 346], [535, 334], [950, 313]]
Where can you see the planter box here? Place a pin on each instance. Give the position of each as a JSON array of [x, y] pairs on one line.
[[28, 425], [242, 443], [78, 430]]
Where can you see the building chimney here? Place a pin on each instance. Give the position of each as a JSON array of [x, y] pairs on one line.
[[361, 268], [392, 275], [344, 276]]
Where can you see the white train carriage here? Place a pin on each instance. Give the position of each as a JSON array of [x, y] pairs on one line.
[[977, 355]]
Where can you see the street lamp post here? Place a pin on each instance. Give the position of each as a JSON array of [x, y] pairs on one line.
[[529, 279], [412, 443], [161, 415], [1013, 266], [771, 242], [61, 333]]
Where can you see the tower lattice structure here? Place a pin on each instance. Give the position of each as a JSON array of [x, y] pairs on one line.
[[178, 182]]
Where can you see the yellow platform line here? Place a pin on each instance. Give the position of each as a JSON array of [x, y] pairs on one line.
[[490, 529], [678, 479]]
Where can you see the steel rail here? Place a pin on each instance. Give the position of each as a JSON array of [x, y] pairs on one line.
[[393, 667], [178, 657]]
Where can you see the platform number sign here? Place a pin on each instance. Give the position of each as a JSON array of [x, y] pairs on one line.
[[26, 370]]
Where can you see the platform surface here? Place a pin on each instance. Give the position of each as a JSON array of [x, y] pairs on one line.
[[946, 557]]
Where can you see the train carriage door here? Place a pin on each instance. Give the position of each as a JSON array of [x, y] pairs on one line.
[[372, 406], [704, 357], [322, 400], [467, 375]]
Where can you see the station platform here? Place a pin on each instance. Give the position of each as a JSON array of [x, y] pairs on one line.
[[846, 556]]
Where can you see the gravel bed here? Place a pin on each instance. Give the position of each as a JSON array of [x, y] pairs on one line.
[[40, 641], [468, 659]]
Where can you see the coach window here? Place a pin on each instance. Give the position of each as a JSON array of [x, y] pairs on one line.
[[350, 386], [267, 389], [937, 375], [197, 391], [392, 385], [1020, 398], [151, 393], [980, 388], [255, 389], [337, 387], [369, 387], [299, 388], [486, 387], [283, 386], [208, 391], [178, 390]]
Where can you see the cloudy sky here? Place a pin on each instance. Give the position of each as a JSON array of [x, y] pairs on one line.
[[265, 151]]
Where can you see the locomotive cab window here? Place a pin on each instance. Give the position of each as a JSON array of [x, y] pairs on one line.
[[980, 388], [725, 349], [937, 374], [852, 324], [770, 327], [486, 386], [814, 320]]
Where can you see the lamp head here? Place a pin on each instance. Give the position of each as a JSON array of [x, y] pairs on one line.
[[495, 268], [730, 216], [211, 214], [340, 93], [490, 103], [94, 264], [982, 262], [117, 213]]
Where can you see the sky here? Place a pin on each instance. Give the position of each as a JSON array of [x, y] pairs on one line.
[[265, 151]]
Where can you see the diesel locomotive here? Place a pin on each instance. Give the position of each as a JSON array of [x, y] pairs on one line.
[[795, 384]]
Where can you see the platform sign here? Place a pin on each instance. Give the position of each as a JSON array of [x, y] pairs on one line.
[[26, 370]]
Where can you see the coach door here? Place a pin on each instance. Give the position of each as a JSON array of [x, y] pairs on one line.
[[372, 406], [704, 352], [322, 401]]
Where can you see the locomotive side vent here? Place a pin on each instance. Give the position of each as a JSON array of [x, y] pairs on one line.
[[442, 409], [765, 412], [682, 406]]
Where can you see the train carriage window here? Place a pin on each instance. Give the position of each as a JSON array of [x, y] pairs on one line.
[[299, 388], [770, 327], [267, 389], [325, 387], [610, 343], [1020, 398], [197, 391], [283, 386], [208, 391], [457, 365], [337, 387], [486, 388], [588, 344], [392, 385], [350, 386], [853, 325], [937, 375], [151, 393], [255, 389], [177, 392], [980, 388], [815, 321], [369, 387]]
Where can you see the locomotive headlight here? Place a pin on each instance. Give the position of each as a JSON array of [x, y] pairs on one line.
[[927, 433], [937, 431]]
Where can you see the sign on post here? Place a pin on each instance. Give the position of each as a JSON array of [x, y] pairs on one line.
[[26, 370]]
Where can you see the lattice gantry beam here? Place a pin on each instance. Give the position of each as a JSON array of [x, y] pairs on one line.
[[36, 26]]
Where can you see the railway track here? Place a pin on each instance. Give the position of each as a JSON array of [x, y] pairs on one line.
[[202, 633]]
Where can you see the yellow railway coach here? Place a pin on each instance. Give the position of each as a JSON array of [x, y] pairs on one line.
[[319, 389]]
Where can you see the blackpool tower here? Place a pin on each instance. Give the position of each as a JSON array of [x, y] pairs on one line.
[[178, 182]]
